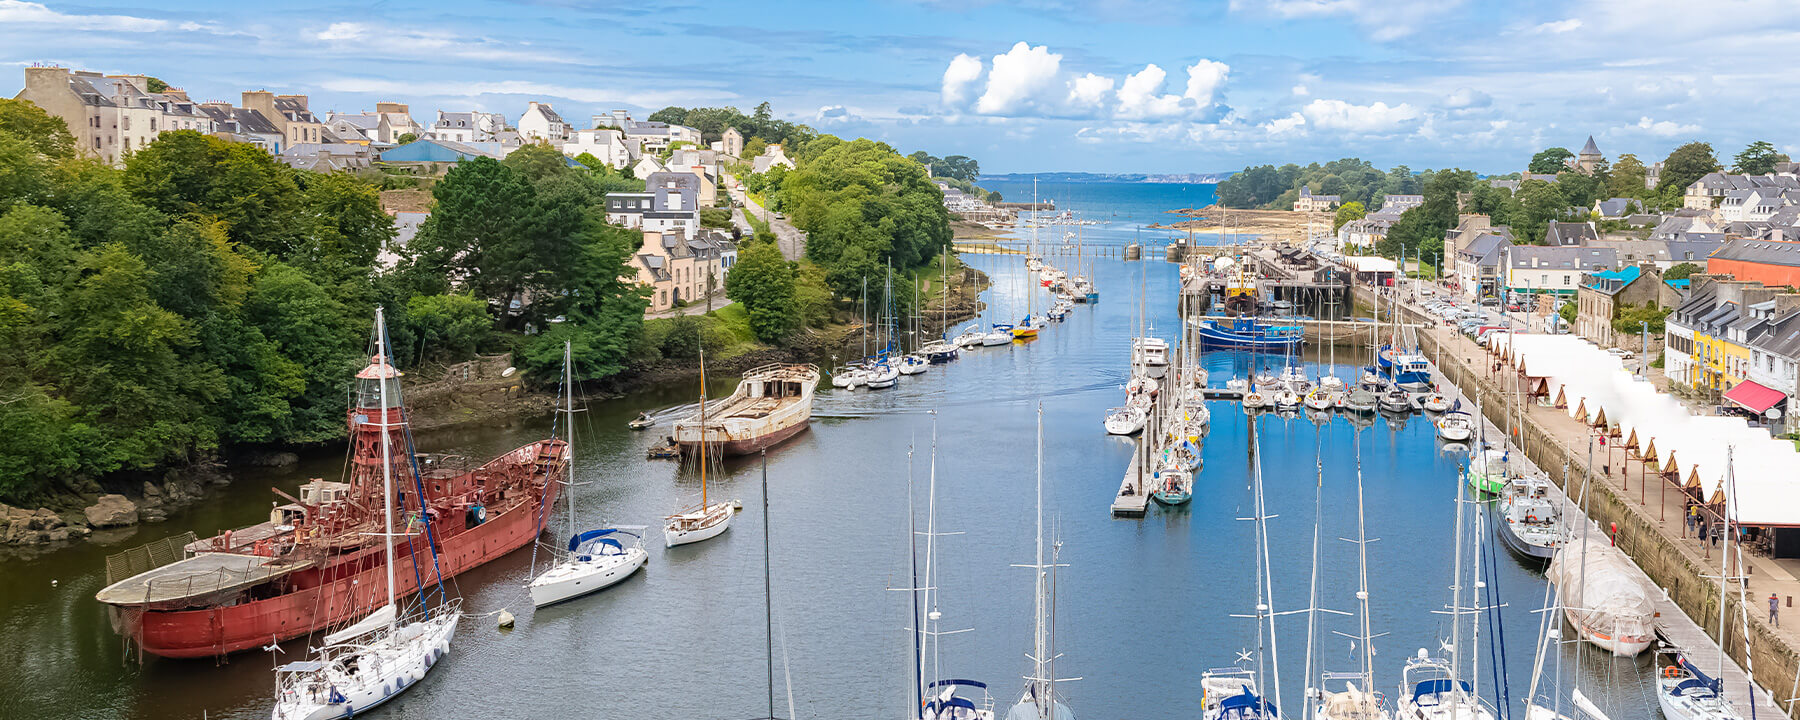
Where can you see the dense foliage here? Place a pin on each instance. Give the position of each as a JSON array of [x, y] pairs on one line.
[[766, 284], [760, 126], [205, 296], [957, 167], [1351, 179]]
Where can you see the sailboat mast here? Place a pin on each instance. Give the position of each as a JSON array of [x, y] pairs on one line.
[[1268, 599], [1312, 601], [703, 504], [387, 456], [1362, 573], [1456, 587], [912, 562], [1039, 643], [569, 431], [931, 585]]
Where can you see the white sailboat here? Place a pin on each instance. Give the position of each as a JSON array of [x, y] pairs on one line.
[[941, 698], [1433, 688], [380, 656], [1683, 690], [1039, 701], [708, 519], [596, 559], [1356, 702], [1128, 420], [1455, 426]]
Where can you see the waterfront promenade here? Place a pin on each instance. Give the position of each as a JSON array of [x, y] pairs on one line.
[[1650, 525]]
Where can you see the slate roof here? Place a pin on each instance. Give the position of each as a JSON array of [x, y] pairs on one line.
[[1615, 207], [1569, 234], [1485, 249], [1590, 148], [1561, 258], [1780, 336], [432, 150], [294, 109], [1766, 252]]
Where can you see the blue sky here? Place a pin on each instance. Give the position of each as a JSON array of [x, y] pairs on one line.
[[1096, 85]]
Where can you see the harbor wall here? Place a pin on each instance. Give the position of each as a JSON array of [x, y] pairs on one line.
[[1647, 540]]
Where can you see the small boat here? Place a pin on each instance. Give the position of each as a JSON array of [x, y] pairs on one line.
[[938, 352], [1197, 376], [913, 364], [970, 338], [1058, 312], [1396, 401], [1340, 401], [883, 375], [1372, 381], [1534, 524], [596, 561], [1244, 332], [848, 377], [1027, 328], [1230, 694], [1408, 368], [1174, 485], [1488, 471], [1128, 420], [1360, 401], [1455, 427], [705, 520], [642, 422], [1685, 693], [1255, 400], [1237, 385], [1429, 690], [1318, 399], [1151, 354], [1436, 403], [1141, 385], [1603, 598], [666, 451], [1333, 383], [1294, 379], [1286, 400], [1000, 335]]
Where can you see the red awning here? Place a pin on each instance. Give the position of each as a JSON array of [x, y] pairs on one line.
[[1754, 397]]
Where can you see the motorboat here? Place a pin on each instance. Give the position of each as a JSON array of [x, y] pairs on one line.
[[1408, 368], [1248, 333], [1000, 335], [882, 375], [596, 560], [1128, 420], [938, 352], [642, 422], [1361, 401], [1151, 354], [1488, 471], [1603, 597], [1685, 693], [1230, 694], [1455, 427], [1396, 401], [1435, 403], [1534, 524], [913, 364]]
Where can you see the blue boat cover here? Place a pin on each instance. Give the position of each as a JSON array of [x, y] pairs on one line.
[[1700, 679], [957, 681], [1247, 701], [955, 702], [576, 541], [1433, 687]]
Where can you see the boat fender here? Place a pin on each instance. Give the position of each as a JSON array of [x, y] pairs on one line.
[[506, 619]]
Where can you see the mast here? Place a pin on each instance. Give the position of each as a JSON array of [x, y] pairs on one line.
[[1040, 644], [703, 504], [1362, 574], [569, 419], [1456, 588], [1267, 602], [387, 458], [1312, 602], [912, 562], [865, 313]]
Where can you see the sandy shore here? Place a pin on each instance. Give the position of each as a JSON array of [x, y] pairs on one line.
[[1269, 224]]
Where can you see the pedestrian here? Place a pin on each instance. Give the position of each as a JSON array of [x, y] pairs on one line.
[[1693, 517], [1774, 610], [1703, 527]]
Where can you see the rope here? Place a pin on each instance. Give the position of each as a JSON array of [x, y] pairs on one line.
[[1498, 625]]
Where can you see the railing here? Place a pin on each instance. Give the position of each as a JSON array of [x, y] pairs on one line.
[[147, 557]]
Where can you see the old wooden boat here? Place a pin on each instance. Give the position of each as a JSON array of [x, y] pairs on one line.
[[772, 403]]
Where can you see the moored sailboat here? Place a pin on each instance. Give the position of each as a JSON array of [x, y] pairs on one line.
[[707, 519], [1039, 701]]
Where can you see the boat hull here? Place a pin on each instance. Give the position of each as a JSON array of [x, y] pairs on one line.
[[571, 580], [1166, 497], [673, 537], [745, 446], [771, 404], [1520, 546], [367, 696]]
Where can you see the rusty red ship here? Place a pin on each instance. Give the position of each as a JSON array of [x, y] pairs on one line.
[[318, 560]]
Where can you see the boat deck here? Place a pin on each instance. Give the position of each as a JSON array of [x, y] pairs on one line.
[[752, 408], [197, 576]]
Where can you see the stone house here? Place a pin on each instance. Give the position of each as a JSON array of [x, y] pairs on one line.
[[111, 116], [1570, 234], [540, 122], [288, 114], [468, 127], [1478, 265], [1539, 270], [1308, 202], [732, 142], [1603, 295]]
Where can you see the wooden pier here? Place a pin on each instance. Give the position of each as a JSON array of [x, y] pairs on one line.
[[1133, 498]]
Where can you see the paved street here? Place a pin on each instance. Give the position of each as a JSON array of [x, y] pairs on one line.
[[789, 238]]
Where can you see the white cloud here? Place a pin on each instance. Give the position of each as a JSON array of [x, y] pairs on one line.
[[1384, 20], [1138, 96], [835, 115], [1340, 115], [960, 78], [1291, 124], [1090, 91], [1559, 27], [343, 31], [1301, 91], [1019, 77], [14, 13], [1665, 128], [1468, 98], [1205, 79]]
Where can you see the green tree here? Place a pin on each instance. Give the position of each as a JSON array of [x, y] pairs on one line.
[[1757, 159], [29, 123], [755, 146], [449, 327], [1681, 271], [1627, 177], [155, 84], [406, 139], [1539, 203], [1686, 164], [316, 332], [343, 226], [863, 206], [1348, 212], [1550, 160], [764, 282], [186, 172]]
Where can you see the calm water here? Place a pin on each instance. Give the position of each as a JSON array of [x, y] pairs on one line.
[[1145, 605], [1124, 209]]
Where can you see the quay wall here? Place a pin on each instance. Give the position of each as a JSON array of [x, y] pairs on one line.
[[1683, 574]]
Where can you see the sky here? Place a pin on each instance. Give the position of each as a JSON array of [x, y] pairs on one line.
[[1153, 86]]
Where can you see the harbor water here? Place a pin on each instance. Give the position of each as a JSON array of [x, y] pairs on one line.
[[1143, 606]]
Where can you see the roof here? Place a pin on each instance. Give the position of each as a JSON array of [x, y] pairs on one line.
[[1611, 282], [432, 150], [1485, 249], [1765, 252], [548, 113], [1529, 257], [1567, 234], [1615, 207], [1590, 148], [1364, 263], [1752, 396]]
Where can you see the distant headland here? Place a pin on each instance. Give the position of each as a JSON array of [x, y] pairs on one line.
[[1085, 177]]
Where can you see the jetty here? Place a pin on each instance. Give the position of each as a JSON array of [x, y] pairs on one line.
[[1133, 498]]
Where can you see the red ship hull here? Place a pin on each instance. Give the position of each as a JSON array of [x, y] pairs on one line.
[[348, 587]]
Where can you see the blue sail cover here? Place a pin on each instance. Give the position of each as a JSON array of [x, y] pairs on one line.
[[1247, 704], [576, 541], [1700, 679], [1435, 687]]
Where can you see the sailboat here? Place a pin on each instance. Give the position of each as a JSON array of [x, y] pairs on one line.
[[1683, 691], [943, 349], [706, 520], [1128, 420], [1550, 636], [378, 657], [1039, 701], [1455, 426], [941, 698], [1354, 702], [595, 559], [1028, 326], [1231, 693]]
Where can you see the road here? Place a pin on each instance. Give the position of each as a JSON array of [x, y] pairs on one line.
[[789, 238]]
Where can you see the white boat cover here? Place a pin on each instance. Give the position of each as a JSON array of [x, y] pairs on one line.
[[374, 621], [1592, 385], [1606, 591]]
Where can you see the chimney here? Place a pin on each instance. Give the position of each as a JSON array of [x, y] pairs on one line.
[[46, 79], [391, 107], [1733, 290], [261, 101], [1786, 304], [1758, 294], [298, 99]]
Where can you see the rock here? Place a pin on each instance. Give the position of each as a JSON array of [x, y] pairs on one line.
[[112, 511], [57, 535], [80, 531], [152, 515], [151, 491]]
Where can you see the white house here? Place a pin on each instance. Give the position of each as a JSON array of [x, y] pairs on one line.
[[772, 155], [652, 136], [608, 144], [468, 127], [1536, 269], [670, 204], [540, 122], [646, 166]]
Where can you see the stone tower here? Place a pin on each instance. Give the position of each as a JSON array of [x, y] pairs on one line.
[[1589, 160]]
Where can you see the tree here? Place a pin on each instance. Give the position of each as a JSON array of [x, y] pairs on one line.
[[1550, 160], [755, 146], [1627, 178], [478, 233], [1757, 159], [764, 282], [450, 327], [406, 138], [1539, 203], [26, 121], [1681, 271], [186, 172], [155, 84], [1686, 164], [1348, 212]]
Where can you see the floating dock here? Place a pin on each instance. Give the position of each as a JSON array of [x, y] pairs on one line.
[[1132, 499]]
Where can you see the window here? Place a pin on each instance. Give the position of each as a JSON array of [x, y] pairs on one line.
[[127, 121], [152, 124]]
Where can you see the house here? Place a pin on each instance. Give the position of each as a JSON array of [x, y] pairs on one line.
[[1683, 222], [652, 136], [359, 129], [1570, 234], [246, 126], [110, 116], [288, 114], [1616, 208], [646, 166], [1512, 185], [468, 127], [1538, 270], [1589, 160], [1653, 175], [772, 155], [1604, 294], [732, 142], [1309, 202], [1755, 204], [1396, 204], [680, 269], [435, 157], [540, 122], [1546, 177], [1706, 339], [1710, 190], [1468, 227], [607, 144], [669, 205], [1770, 262], [1770, 378], [1478, 264], [327, 157]]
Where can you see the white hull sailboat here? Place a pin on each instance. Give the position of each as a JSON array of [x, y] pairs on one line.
[[706, 520], [1455, 427], [1128, 420], [882, 376], [380, 656], [913, 364]]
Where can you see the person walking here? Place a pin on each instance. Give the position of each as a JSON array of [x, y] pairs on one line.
[[1774, 610]]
